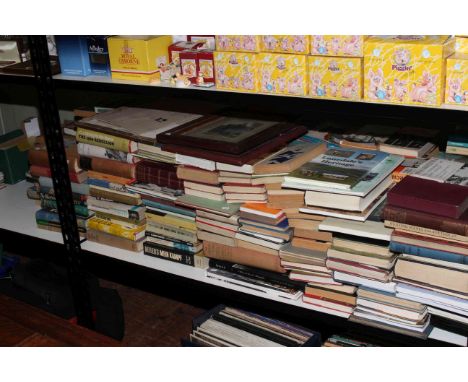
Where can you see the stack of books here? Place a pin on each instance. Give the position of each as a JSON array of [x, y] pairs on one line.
[[457, 144], [42, 189], [231, 327], [345, 341], [385, 310], [344, 183], [430, 221]]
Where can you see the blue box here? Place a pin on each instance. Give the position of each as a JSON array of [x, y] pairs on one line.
[[73, 55], [98, 55]]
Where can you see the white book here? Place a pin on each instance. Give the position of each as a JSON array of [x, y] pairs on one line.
[[346, 202], [205, 195], [369, 229], [392, 310], [449, 337], [204, 164], [372, 317], [389, 316], [86, 149], [435, 169], [255, 240], [362, 281], [244, 169], [203, 187], [261, 236]]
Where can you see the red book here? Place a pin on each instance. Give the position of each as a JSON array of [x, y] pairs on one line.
[[161, 174], [75, 177], [443, 199]]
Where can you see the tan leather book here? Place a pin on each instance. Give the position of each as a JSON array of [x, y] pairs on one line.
[[245, 256]]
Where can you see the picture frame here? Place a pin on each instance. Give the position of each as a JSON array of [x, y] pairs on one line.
[[224, 134]]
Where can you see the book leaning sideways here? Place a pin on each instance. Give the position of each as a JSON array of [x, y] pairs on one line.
[[340, 168]]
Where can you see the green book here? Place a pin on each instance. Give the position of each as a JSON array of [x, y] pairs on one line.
[[220, 208]]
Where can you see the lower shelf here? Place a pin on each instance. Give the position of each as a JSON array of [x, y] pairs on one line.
[[17, 215]]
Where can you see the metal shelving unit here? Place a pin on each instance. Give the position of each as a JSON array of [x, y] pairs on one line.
[[144, 267]]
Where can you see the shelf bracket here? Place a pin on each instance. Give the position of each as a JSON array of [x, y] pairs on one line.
[[52, 129]]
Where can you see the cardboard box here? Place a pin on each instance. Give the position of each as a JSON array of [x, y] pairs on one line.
[[335, 77], [236, 71], [406, 69], [98, 55], [138, 58], [283, 73], [280, 43], [73, 55], [456, 87], [175, 49], [209, 41], [337, 45], [238, 43], [461, 44], [194, 63], [14, 148]]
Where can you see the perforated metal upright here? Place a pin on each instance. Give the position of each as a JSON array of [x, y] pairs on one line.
[[50, 119]]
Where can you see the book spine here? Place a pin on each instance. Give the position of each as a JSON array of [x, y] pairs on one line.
[[115, 229], [105, 194], [168, 254], [106, 184], [104, 140], [127, 213], [428, 252], [110, 178], [47, 216], [52, 205], [85, 149], [47, 193], [425, 231], [160, 177], [170, 231], [108, 166], [171, 208], [172, 244], [78, 188], [422, 219], [113, 241], [40, 158], [418, 204], [179, 223]]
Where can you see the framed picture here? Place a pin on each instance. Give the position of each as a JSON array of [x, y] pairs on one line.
[[224, 134]]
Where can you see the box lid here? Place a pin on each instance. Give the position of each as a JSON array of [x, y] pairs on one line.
[[136, 37], [410, 39]]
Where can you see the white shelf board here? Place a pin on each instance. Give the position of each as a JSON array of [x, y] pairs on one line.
[[17, 213], [109, 80]]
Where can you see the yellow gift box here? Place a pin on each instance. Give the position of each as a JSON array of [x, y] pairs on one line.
[[238, 43], [461, 44], [138, 58], [236, 71], [280, 43], [456, 87], [335, 77], [283, 73], [337, 45], [406, 69]]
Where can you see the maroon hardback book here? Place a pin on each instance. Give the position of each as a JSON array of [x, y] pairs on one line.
[[257, 153], [161, 174], [443, 199], [422, 219]]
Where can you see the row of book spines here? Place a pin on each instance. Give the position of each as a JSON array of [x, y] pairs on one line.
[[177, 256], [428, 252], [169, 220]]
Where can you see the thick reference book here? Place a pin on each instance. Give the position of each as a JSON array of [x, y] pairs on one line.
[[423, 195]]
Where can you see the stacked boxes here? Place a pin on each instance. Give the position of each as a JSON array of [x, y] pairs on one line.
[[406, 69], [296, 44], [236, 71], [238, 43], [337, 45], [456, 86]]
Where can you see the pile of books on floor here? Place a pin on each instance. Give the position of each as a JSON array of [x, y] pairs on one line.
[[430, 220], [231, 327], [42, 189]]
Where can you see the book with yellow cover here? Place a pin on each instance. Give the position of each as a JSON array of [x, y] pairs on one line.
[[107, 141], [121, 230], [171, 220]]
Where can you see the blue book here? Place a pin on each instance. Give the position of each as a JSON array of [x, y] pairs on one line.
[[458, 140], [428, 252], [177, 210], [78, 188]]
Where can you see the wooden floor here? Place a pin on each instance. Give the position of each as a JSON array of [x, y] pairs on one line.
[[150, 320]]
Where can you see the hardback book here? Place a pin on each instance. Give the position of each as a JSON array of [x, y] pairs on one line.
[[106, 141], [291, 157], [104, 238], [423, 195], [118, 196], [337, 168], [174, 243], [261, 210], [325, 292], [212, 206], [247, 181], [368, 229], [161, 174], [363, 258], [293, 266], [75, 177], [259, 241], [212, 237], [391, 320], [216, 227], [346, 202], [347, 278], [85, 149], [313, 245], [361, 246], [359, 269], [389, 299], [442, 274], [108, 166], [171, 254], [234, 219], [110, 178], [138, 124], [281, 226], [313, 234], [285, 198], [320, 278], [427, 220], [169, 219], [427, 232], [194, 174], [243, 189], [286, 235], [246, 198], [41, 158], [410, 142], [341, 309], [302, 255], [171, 231], [118, 209]]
